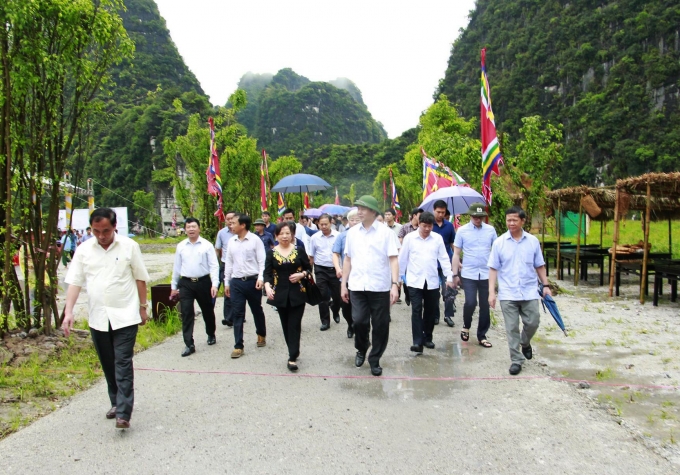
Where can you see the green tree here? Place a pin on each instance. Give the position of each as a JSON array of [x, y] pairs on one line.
[[144, 204]]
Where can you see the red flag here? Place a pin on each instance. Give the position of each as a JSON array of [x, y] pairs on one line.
[[395, 197], [213, 172], [384, 191], [263, 184], [306, 203], [491, 151], [337, 198], [436, 175]]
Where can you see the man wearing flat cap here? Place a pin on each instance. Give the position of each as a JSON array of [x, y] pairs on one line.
[[475, 240], [370, 276]]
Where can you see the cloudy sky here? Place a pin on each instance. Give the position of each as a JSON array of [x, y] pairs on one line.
[[395, 51]]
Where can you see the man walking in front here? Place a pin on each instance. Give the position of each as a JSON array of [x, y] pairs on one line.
[[321, 258], [445, 229], [113, 269], [195, 279], [475, 240], [516, 260], [370, 273], [420, 253], [243, 280]]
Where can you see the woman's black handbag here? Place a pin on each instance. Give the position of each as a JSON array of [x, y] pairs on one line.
[[313, 293]]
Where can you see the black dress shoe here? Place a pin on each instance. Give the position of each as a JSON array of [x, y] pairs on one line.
[[429, 344], [436, 321], [324, 327], [528, 352], [360, 358], [188, 350], [515, 368], [336, 318], [111, 414], [350, 333], [417, 348], [211, 340], [448, 321], [228, 323], [376, 370]]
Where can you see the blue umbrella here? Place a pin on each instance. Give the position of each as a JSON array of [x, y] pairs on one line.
[[458, 199], [549, 303], [313, 213], [334, 209], [300, 183]]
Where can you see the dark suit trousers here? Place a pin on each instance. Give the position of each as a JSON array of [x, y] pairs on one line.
[[200, 292], [226, 309], [115, 349], [449, 311], [291, 323], [424, 309], [471, 288], [243, 291], [329, 285], [371, 308]]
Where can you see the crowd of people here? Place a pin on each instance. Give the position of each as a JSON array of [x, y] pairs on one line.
[[356, 266]]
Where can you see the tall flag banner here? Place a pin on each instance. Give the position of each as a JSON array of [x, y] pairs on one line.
[[263, 183], [491, 150], [68, 203], [436, 175], [90, 197], [337, 198], [306, 202], [266, 172], [213, 172], [384, 191], [280, 205], [395, 197]]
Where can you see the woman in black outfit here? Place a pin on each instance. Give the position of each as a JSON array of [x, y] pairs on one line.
[[284, 269]]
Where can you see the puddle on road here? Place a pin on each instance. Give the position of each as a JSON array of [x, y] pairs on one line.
[[445, 361]]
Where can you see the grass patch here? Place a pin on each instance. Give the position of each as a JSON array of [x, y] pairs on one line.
[[605, 374]]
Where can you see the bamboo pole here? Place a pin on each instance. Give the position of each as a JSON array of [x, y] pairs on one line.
[[601, 230], [558, 224], [643, 281], [612, 259], [670, 239], [578, 243]]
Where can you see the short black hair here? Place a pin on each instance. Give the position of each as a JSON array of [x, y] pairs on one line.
[[516, 210], [103, 213], [88, 228], [266, 213], [192, 220], [282, 225], [439, 204], [426, 218], [391, 210], [416, 211], [326, 216], [244, 219], [231, 211], [288, 210]]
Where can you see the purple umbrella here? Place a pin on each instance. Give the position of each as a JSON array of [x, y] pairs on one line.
[[313, 213]]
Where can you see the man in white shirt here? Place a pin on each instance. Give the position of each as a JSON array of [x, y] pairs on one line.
[[195, 278], [420, 253], [300, 233], [243, 280], [321, 258], [370, 272], [112, 267], [221, 244]]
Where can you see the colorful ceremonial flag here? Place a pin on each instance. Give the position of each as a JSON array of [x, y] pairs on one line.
[[436, 175], [280, 205], [384, 191], [213, 172], [491, 151], [395, 197], [337, 198], [68, 203], [306, 202], [263, 183]]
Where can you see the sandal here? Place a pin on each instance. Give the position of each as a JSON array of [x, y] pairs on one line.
[[465, 334], [485, 343]]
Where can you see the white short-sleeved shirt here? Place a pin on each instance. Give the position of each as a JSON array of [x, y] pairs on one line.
[[370, 251], [321, 248], [110, 275]]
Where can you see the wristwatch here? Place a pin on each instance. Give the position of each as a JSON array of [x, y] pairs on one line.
[[395, 283], [145, 305]]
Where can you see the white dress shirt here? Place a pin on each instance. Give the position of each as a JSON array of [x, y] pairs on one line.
[[369, 251], [321, 248], [111, 276], [302, 235], [418, 260], [245, 258], [195, 260], [222, 241]]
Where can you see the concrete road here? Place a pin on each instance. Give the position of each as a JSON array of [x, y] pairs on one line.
[[453, 410]]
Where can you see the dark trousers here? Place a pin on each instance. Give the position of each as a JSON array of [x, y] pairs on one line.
[[448, 306], [200, 292], [291, 323], [243, 291], [226, 309], [115, 349], [424, 309], [329, 285], [472, 288], [371, 308]]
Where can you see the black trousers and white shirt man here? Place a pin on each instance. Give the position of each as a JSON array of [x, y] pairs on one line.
[[195, 278]]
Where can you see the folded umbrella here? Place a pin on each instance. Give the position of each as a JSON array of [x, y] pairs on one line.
[[549, 303]]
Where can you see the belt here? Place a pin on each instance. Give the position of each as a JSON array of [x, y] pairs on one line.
[[196, 279], [248, 277]]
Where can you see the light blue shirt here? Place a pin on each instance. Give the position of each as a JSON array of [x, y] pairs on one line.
[[516, 263], [222, 242], [476, 246], [69, 242], [339, 245]]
